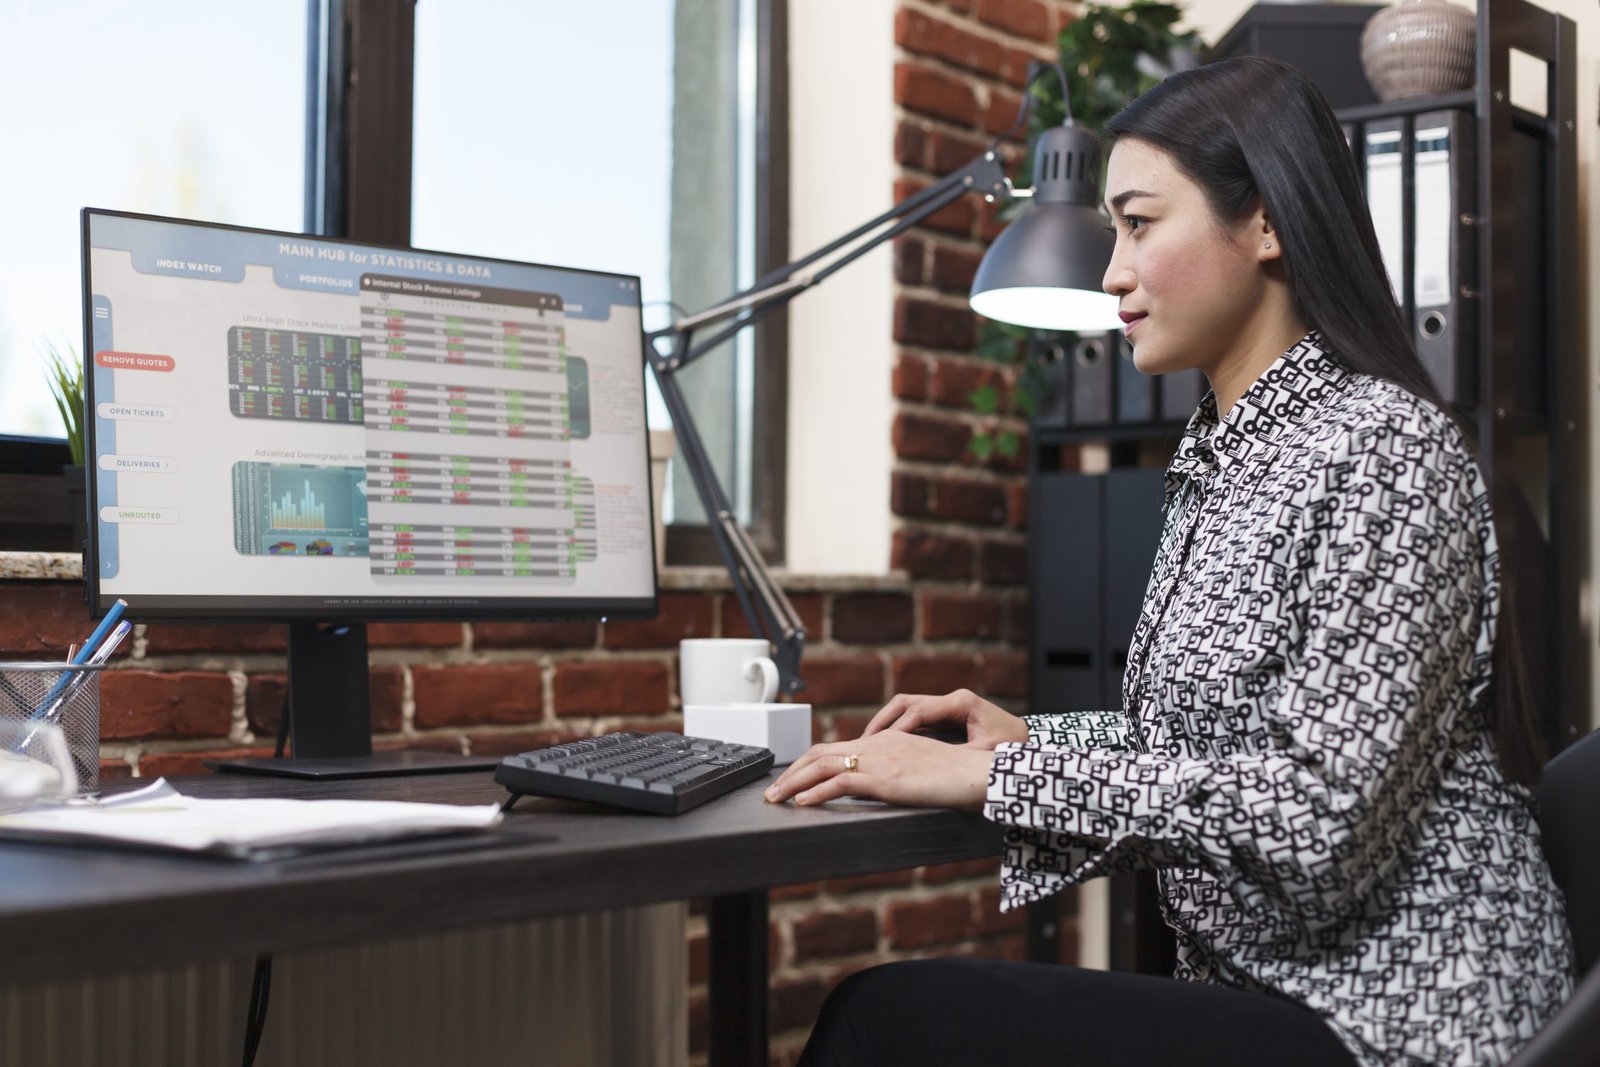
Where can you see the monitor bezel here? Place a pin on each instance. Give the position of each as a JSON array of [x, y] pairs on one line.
[[225, 608]]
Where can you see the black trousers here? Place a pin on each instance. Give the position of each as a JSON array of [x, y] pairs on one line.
[[972, 1012]]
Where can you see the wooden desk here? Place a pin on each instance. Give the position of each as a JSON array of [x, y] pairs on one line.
[[118, 910]]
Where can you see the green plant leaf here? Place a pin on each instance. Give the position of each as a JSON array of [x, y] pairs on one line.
[[64, 375], [1000, 342], [985, 399], [1100, 53], [1025, 398], [982, 445], [1007, 443]]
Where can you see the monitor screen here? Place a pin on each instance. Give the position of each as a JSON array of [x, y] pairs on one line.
[[299, 428]]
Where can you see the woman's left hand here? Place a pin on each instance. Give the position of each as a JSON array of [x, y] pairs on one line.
[[892, 766]]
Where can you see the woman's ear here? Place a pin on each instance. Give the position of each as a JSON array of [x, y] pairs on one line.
[[1268, 247]]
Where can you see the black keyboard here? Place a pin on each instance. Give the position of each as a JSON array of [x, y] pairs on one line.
[[666, 774]]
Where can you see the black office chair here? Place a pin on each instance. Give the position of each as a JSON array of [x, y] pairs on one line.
[[1569, 819]]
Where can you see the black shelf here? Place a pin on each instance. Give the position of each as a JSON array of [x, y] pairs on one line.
[[1465, 100]]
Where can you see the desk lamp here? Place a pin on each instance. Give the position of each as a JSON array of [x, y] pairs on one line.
[[1044, 271]]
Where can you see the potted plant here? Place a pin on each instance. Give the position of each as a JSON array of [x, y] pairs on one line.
[[65, 376]]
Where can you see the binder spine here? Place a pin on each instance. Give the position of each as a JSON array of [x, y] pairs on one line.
[[1136, 390], [1092, 356], [1444, 275], [1065, 669], [1053, 408], [1386, 149]]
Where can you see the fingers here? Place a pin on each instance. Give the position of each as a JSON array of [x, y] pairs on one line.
[[848, 784], [909, 712], [888, 714], [807, 773], [802, 766]]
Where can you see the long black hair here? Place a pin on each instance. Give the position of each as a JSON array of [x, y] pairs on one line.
[[1251, 131]]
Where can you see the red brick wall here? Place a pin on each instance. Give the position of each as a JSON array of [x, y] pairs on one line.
[[960, 67], [178, 694]]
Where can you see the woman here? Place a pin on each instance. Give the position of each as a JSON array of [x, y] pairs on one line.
[[1311, 755]]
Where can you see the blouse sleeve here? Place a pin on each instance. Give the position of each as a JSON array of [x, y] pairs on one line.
[[1080, 729], [1393, 574]]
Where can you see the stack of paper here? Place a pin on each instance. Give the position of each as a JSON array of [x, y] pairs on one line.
[[160, 817]]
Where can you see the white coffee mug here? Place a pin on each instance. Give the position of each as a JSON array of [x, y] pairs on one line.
[[724, 670]]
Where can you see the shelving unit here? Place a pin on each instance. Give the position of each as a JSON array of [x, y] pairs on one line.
[[1512, 322]]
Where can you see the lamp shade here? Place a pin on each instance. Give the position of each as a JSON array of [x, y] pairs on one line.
[[1046, 269]]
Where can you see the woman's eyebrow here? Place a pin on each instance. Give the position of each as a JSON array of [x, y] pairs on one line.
[[1116, 202]]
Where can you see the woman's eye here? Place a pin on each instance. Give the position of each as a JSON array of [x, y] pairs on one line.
[[1133, 222]]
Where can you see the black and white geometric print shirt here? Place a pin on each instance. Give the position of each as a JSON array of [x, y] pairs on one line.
[[1304, 754]]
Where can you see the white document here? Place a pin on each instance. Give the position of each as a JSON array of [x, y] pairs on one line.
[[158, 816]]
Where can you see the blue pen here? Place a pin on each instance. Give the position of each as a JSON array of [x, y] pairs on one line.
[[100, 632], [53, 713], [82, 657]]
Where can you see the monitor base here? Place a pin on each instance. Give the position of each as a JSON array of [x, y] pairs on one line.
[[377, 765]]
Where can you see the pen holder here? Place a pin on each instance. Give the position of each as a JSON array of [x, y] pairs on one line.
[[58, 694]]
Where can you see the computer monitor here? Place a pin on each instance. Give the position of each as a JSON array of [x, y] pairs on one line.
[[328, 433]]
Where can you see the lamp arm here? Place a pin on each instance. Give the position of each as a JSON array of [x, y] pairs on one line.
[[751, 298], [765, 606], [983, 173]]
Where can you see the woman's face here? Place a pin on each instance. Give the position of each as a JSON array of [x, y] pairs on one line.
[[1190, 288]]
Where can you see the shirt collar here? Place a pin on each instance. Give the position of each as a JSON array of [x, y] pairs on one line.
[[1283, 397]]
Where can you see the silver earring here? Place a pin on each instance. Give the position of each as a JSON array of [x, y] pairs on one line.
[[1267, 245]]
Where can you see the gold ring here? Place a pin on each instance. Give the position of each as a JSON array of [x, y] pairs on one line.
[[851, 763]]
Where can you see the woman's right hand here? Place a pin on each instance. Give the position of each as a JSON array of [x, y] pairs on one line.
[[986, 724]]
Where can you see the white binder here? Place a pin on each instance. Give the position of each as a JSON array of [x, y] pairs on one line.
[[1443, 319], [1385, 158]]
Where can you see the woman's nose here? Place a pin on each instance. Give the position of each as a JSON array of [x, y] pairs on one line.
[[1118, 279]]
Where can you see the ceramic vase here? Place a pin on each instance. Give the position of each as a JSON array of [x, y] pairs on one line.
[[1420, 48]]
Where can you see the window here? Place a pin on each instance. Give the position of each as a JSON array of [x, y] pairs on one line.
[[625, 137], [158, 106]]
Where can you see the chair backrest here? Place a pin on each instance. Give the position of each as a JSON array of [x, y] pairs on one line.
[[1569, 820]]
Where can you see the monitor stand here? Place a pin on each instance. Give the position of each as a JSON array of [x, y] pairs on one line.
[[330, 716]]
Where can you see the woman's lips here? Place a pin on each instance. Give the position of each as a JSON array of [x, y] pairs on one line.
[[1130, 320]]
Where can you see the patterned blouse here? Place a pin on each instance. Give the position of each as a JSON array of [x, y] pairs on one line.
[[1304, 753]]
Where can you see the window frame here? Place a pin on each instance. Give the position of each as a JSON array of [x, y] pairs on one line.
[[692, 544]]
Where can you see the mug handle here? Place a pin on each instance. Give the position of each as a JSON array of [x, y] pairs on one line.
[[769, 677]]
